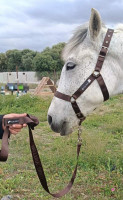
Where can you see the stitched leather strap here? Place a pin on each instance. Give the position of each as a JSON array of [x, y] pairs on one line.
[[63, 97], [104, 50], [40, 171], [96, 74], [84, 86], [32, 122], [103, 87]]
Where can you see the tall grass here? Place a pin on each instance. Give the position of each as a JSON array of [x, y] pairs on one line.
[[27, 103]]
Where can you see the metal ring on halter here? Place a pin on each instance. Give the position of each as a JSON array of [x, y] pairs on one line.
[[96, 73]]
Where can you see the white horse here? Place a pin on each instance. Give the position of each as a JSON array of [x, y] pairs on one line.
[[80, 56]]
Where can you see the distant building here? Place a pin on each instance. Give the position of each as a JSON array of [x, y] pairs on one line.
[[23, 77]]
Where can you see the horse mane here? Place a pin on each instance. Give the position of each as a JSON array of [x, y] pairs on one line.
[[119, 27], [79, 35]]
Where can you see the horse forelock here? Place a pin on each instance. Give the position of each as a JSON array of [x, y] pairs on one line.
[[78, 37]]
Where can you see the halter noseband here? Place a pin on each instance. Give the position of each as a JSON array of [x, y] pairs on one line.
[[94, 76]]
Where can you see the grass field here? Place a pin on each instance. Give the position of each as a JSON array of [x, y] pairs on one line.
[[100, 171]]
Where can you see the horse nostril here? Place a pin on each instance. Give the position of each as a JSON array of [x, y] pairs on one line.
[[49, 119]]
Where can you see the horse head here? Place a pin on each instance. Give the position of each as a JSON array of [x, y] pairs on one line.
[[80, 56]]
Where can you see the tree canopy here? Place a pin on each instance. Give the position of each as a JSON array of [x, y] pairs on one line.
[[27, 60]]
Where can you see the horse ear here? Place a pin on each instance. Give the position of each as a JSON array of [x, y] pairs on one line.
[[94, 24]]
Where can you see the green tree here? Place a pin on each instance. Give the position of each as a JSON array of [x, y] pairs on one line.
[[49, 60], [3, 62], [26, 64], [25, 51], [13, 59], [55, 52], [44, 62], [27, 60]]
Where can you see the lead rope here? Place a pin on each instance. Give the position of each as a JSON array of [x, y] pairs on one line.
[[40, 171], [79, 134], [32, 121]]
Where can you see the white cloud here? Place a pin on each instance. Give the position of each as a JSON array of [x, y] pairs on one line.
[[36, 24]]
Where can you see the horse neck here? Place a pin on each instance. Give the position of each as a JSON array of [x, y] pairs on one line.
[[120, 86], [121, 77], [116, 61], [119, 54], [121, 81], [120, 61]]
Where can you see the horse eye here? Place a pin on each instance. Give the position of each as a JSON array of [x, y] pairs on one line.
[[70, 65]]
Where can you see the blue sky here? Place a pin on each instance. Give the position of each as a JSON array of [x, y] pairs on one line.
[[36, 24]]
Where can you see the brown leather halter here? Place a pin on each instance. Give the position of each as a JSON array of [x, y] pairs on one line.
[[96, 75], [32, 121]]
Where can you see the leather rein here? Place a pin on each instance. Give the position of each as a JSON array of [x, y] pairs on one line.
[[32, 121]]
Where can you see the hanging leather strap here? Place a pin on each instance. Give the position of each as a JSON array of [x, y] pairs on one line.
[[4, 148], [40, 171], [7, 122], [32, 121]]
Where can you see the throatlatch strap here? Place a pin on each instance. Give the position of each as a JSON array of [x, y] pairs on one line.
[[32, 122], [103, 87]]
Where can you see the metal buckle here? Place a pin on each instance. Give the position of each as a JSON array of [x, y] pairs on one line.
[[102, 53], [96, 74], [104, 47]]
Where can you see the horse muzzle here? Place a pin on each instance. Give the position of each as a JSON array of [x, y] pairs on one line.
[[62, 127]]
